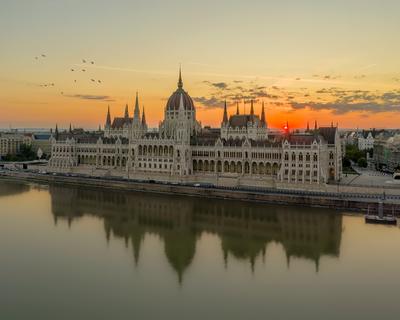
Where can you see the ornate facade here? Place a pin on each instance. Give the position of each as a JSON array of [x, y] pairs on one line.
[[240, 152]]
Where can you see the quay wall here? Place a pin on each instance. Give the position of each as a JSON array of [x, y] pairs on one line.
[[281, 197]]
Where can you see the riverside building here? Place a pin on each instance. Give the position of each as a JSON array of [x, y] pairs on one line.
[[241, 152]]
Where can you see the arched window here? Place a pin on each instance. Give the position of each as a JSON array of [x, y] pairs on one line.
[[286, 156]]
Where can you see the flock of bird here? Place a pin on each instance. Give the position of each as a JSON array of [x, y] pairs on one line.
[[76, 70]]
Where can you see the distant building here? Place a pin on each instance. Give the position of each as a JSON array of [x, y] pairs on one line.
[[10, 143], [240, 152], [366, 140], [42, 141], [387, 151]]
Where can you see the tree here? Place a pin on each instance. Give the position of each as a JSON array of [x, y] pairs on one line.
[[362, 162], [346, 162]]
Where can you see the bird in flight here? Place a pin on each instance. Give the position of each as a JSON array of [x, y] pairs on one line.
[[36, 58], [98, 81], [43, 55], [92, 62], [93, 80], [74, 80], [83, 60], [83, 70], [72, 70]]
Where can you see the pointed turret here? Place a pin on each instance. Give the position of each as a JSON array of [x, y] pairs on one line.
[[108, 119], [126, 116], [180, 82], [251, 107], [70, 128], [136, 112], [237, 108], [56, 132], [143, 117], [308, 126], [315, 125], [225, 118], [263, 114]]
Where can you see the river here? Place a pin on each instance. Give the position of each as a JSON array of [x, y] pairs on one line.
[[81, 253]]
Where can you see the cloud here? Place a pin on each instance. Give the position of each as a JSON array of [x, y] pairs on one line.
[[220, 85], [211, 102], [235, 91], [90, 97]]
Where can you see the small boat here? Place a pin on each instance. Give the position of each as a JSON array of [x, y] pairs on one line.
[[380, 218], [373, 218]]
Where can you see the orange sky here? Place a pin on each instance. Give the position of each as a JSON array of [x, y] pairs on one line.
[[325, 61]]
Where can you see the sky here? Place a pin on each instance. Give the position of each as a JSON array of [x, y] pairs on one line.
[[326, 61]]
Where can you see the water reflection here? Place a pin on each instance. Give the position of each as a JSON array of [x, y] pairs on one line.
[[245, 229], [10, 188]]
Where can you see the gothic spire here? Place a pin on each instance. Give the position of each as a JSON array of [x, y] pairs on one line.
[[263, 114], [136, 112], [108, 119], [70, 128], [180, 83], [315, 125], [308, 126], [225, 118], [143, 117], [237, 107], [126, 116], [56, 132], [251, 107]]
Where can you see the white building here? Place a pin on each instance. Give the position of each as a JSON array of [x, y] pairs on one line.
[[239, 153], [365, 140]]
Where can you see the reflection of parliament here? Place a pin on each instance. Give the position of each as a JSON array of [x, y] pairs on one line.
[[245, 230], [241, 152]]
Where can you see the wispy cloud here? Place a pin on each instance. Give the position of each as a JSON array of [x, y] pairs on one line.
[[90, 97]]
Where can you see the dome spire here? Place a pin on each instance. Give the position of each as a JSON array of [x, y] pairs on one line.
[[108, 119], [180, 82], [251, 107]]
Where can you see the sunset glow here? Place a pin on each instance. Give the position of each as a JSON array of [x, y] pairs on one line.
[[326, 61]]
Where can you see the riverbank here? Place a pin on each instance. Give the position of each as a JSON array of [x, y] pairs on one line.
[[339, 201]]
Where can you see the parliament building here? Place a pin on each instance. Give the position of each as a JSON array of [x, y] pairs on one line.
[[243, 151]]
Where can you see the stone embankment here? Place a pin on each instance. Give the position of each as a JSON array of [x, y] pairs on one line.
[[341, 201]]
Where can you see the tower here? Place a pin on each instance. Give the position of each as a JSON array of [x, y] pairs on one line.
[[126, 116], [225, 117], [263, 122], [108, 119]]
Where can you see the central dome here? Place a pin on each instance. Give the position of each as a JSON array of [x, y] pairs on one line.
[[175, 98]]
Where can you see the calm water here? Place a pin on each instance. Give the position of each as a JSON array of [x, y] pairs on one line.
[[76, 253]]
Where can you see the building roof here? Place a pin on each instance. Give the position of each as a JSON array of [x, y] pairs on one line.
[[328, 133], [242, 120], [119, 122]]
